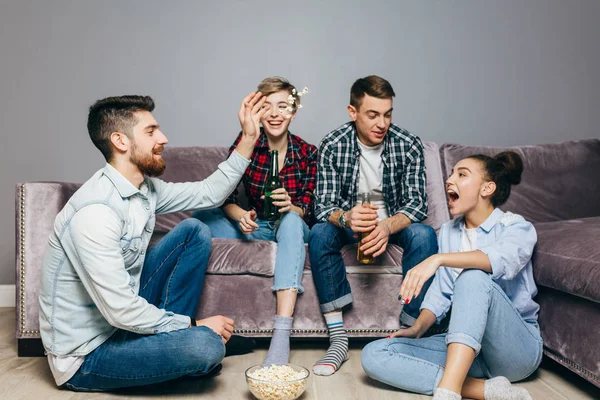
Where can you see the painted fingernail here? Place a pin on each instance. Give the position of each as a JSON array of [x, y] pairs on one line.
[[388, 336]]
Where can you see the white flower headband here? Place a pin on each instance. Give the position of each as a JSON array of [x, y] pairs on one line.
[[292, 102]]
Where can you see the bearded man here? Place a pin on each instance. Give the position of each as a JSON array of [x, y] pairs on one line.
[[114, 314]]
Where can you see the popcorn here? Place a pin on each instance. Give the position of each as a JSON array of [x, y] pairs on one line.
[[277, 382]]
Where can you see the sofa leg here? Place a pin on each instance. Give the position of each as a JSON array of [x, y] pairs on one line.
[[30, 348]]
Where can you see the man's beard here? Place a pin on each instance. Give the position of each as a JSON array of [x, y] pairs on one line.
[[147, 164]]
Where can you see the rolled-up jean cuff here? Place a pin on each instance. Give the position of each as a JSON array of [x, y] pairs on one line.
[[337, 304], [407, 319], [300, 289], [463, 338]]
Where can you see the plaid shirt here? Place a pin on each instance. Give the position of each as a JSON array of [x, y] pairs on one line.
[[403, 183], [297, 175]]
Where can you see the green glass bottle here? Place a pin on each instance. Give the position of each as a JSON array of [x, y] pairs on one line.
[[273, 182]]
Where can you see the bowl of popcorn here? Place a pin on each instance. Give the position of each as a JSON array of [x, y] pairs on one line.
[[277, 381]]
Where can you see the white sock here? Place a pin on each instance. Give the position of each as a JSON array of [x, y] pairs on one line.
[[445, 394], [500, 388]]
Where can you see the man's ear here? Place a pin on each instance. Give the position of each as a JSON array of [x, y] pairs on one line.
[[120, 141], [352, 112], [488, 189]]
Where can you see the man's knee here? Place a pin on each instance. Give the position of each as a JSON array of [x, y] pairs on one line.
[[195, 230], [422, 236], [321, 233], [205, 349]]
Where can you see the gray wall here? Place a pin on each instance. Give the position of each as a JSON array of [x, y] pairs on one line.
[[505, 72]]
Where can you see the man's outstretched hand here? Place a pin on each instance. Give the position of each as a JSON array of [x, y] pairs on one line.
[[251, 111]]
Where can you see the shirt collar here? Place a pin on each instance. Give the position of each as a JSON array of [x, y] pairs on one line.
[[123, 186], [386, 141], [293, 148], [489, 223], [262, 141]]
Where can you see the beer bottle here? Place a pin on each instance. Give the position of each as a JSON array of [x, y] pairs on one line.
[[273, 182], [364, 258]]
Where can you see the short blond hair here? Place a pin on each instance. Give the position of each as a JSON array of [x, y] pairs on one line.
[[274, 84]]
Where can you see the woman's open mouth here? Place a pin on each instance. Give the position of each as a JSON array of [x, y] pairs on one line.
[[452, 197]]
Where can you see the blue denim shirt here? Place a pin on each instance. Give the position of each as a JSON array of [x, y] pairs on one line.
[[93, 262], [508, 240]]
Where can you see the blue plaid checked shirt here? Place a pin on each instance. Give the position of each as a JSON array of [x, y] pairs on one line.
[[404, 179]]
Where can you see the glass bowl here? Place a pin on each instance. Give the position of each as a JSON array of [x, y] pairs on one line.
[[277, 381]]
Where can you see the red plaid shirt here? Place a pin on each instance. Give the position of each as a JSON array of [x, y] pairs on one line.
[[298, 175]]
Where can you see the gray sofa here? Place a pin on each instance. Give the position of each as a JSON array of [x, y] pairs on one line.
[[559, 193]]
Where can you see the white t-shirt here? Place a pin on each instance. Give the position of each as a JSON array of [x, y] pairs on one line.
[[468, 243], [371, 175], [64, 367]]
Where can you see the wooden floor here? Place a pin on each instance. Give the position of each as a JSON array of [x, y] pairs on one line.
[[30, 378]]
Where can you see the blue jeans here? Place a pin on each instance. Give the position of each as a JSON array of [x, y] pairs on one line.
[[483, 318], [172, 279], [329, 272], [290, 233]]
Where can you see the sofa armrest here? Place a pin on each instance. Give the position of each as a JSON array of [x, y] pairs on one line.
[[37, 204]]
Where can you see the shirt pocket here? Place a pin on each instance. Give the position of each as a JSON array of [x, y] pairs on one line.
[[131, 249]]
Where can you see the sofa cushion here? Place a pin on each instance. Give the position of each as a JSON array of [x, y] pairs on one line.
[[567, 257], [190, 164], [560, 181], [257, 257]]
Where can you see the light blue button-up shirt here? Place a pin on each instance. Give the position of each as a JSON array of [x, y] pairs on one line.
[[508, 240], [93, 263]]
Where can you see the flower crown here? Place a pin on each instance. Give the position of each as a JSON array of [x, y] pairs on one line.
[[292, 102]]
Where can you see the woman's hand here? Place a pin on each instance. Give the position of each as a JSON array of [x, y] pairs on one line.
[[411, 332], [247, 224], [282, 199], [415, 278], [425, 321]]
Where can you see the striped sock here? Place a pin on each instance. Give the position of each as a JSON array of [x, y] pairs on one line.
[[338, 346]]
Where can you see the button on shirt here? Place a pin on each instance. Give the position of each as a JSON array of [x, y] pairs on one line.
[[508, 241]]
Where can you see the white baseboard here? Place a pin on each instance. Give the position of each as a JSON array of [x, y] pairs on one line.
[[7, 295]]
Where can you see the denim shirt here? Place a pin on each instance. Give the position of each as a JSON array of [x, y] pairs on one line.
[[508, 240], [93, 263]]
